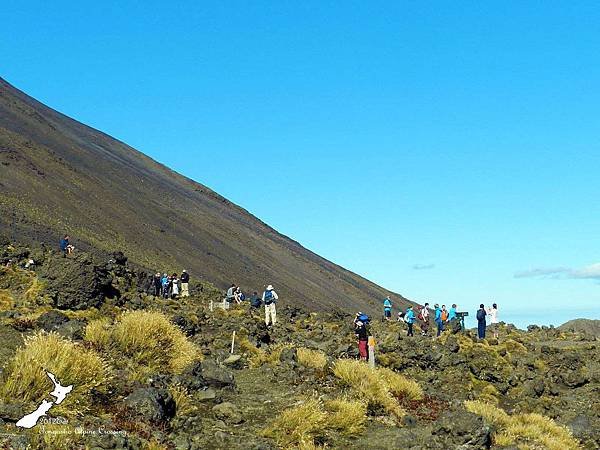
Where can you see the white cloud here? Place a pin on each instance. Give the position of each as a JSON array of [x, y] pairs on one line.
[[588, 272], [423, 266]]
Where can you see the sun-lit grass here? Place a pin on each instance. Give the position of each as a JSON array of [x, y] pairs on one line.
[[524, 430], [71, 363], [35, 289], [183, 400], [379, 386], [147, 340], [259, 357], [346, 416], [298, 425], [313, 359], [6, 300]]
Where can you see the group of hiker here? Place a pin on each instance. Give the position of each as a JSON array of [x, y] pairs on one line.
[[268, 299], [171, 286], [441, 318]]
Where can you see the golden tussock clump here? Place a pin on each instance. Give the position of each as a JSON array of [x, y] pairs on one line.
[[379, 386], [297, 426], [149, 341], [346, 416], [313, 359], [71, 363], [525, 429]]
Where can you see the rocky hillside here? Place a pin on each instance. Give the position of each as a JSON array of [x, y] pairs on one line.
[[586, 326], [149, 373], [59, 176]]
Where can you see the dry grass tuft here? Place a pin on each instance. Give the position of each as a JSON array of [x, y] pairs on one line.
[[71, 363], [259, 357], [378, 387], [298, 426], [529, 430], [313, 359], [149, 341], [346, 416], [183, 400], [6, 301]]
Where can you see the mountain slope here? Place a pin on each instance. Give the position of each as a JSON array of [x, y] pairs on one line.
[[59, 176]]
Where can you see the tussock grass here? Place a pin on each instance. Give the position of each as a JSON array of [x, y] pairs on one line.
[[55, 437], [298, 426], [377, 386], [313, 359], [183, 400], [346, 416], [35, 289], [259, 357], [147, 339], [525, 429], [26, 378], [6, 300]]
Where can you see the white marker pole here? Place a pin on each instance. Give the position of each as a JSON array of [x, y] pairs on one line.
[[232, 342]]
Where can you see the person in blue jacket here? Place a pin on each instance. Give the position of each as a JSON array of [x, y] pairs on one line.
[[452, 313], [409, 318], [438, 319], [387, 308]]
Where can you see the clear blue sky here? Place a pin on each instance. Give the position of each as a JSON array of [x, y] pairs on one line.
[[448, 151]]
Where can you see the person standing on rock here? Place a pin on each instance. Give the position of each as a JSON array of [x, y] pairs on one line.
[[409, 318], [362, 335], [156, 284], [493, 313], [185, 283], [438, 319], [65, 247], [269, 298], [481, 321], [387, 308], [424, 318]]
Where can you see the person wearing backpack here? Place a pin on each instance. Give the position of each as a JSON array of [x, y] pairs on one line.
[[362, 335], [438, 319], [387, 308], [444, 314], [452, 313], [409, 318], [269, 298], [424, 318], [481, 321], [255, 300]]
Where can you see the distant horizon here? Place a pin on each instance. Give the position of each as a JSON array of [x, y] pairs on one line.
[[407, 144]]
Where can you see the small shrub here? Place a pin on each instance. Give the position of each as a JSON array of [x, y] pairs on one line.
[[148, 340], [369, 384], [313, 359], [297, 426], [71, 363], [525, 429], [183, 400], [346, 416]]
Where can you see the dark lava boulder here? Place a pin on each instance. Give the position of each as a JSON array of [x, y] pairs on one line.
[[462, 429], [51, 320], [76, 282], [154, 405]]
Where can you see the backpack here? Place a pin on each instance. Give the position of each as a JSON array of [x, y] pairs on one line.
[[444, 315], [481, 315], [363, 318], [268, 297], [420, 315]]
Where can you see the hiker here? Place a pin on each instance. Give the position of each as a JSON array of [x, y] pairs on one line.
[[65, 247], [156, 284], [230, 296], [174, 286], [424, 318], [165, 285], [239, 295], [438, 319], [452, 313], [255, 300], [409, 318], [481, 321], [362, 335], [493, 313], [387, 308], [269, 298], [185, 286], [444, 314]]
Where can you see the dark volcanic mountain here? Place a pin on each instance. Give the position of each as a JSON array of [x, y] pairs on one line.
[[59, 176]]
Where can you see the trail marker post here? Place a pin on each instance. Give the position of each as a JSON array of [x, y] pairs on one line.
[[371, 344]]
